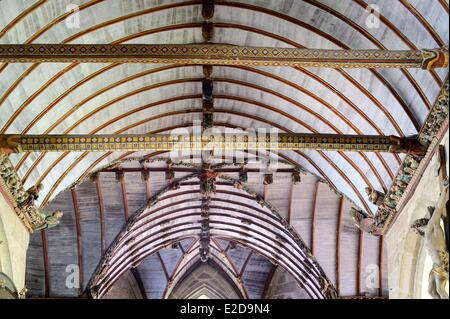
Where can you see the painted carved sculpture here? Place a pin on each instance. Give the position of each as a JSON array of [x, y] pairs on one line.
[[51, 220], [435, 244], [296, 178], [365, 222], [375, 197], [31, 195]]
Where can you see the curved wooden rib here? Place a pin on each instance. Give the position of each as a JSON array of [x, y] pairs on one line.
[[99, 191], [79, 239], [21, 16], [338, 245], [45, 257], [423, 21], [166, 215], [313, 217]]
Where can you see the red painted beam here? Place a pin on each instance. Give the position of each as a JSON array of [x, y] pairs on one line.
[[313, 217], [138, 278], [79, 241], [45, 255], [291, 198], [123, 187], [148, 190], [360, 253], [98, 187], [338, 245], [380, 266]]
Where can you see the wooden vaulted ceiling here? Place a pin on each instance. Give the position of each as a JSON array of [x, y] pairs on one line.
[[121, 98], [97, 209]]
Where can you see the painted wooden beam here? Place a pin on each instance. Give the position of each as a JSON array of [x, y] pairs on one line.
[[338, 245], [225, 141], [222, 54]]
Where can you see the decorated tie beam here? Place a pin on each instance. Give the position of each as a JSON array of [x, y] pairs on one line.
[[239, 141], [222, 54]]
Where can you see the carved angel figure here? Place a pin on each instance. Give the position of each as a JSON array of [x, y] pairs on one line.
[[51, 220], [32, 194], [375, 197]]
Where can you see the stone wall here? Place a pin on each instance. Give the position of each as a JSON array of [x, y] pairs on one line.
[[14, 239], [407, 260]]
